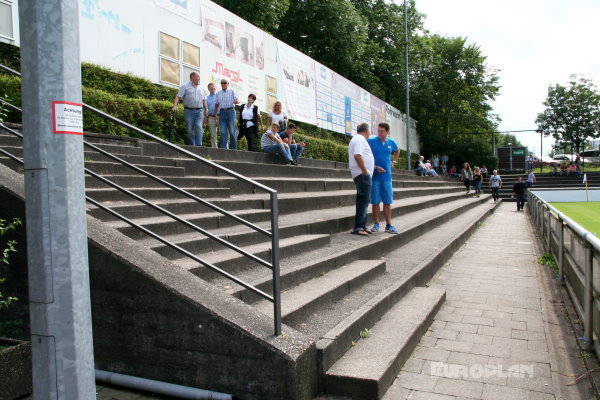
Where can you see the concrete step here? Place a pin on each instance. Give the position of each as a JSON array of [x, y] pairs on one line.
[[164, 226], [345, 248], [233, 262], [164, 193], [326, 288], [307, 222], [114, 168], [288, 202], [368, 369]]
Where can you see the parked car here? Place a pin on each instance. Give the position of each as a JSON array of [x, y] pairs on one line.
[[563, 157], [590, 157]]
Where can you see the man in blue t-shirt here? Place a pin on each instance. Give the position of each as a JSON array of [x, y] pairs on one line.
[[383, 148]]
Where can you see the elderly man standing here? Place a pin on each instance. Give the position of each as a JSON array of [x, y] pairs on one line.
[[225, 113], [211, 100], [361, 163], [383, 148], [194, 108]]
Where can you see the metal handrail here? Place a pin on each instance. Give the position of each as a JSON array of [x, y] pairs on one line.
[[542, 213], [154, 235], [274, 234]]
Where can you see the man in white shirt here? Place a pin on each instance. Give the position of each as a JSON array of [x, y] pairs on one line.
[[194, 108], [362, 164]]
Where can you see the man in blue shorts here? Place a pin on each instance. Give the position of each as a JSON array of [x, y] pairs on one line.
[[381, 190]]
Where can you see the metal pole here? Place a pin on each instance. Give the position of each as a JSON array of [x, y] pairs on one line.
[[541, 152], [408, 163], [275, 263], [588, 297], [59, 291]]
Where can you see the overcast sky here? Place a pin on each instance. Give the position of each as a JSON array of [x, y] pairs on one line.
[[533, 42]]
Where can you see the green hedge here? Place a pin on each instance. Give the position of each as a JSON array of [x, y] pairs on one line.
[[147, 105], [96, 77]]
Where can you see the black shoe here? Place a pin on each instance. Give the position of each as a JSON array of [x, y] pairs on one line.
[[294, 162], [290, 163]]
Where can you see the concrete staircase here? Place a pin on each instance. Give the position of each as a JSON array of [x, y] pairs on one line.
[[547, 181], [359, 304]]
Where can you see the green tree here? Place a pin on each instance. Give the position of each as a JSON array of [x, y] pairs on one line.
[[265, 14], [451, 90], [503, 139], [572, 112], [332, 32]]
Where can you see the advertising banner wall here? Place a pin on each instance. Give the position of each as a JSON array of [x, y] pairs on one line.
[[165, 40], [297, 88]]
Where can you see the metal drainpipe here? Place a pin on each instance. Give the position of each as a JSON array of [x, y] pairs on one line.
[[167, 389]]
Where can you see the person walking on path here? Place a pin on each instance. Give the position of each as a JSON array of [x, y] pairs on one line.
[[477, 181], [271, 143], [211, 99], [383, 148], [225, 112], [250, 121], [484, 173], [194, 108], [530, 179], [361, 163], [519, 190], [467, 176], [495, 183], [530, 163]]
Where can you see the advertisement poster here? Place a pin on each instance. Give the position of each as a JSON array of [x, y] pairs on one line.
[[297, 84], [238, 51], [331, 107]]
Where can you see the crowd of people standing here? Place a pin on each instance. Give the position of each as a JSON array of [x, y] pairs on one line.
[[217, 110]]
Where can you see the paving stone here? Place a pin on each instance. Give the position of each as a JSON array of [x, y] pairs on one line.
[[429, 353], [414, 381], [509, 323], [510, 343], [498, 392], [447, 333], [469, 319], [528, 335], [454, 345], [495, 331], [413, 365], [539, 384], [474, 338], [462, 327], [457, 387]]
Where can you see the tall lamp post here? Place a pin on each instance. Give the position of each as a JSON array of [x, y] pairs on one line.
[[408, 163]]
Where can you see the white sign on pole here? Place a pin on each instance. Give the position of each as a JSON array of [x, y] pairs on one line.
[[67, 118]]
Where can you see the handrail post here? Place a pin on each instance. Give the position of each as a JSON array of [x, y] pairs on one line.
[[561, 251], [275, 263], [549, 232], [588, 297]]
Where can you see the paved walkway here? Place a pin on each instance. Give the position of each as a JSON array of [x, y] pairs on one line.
[[498, 335], [491, 339]]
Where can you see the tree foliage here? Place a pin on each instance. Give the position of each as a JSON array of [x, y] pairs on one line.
[[265, 14], [572, 112], [333, 32]]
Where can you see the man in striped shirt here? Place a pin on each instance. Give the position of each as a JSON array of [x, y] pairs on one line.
[[225, 113]]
